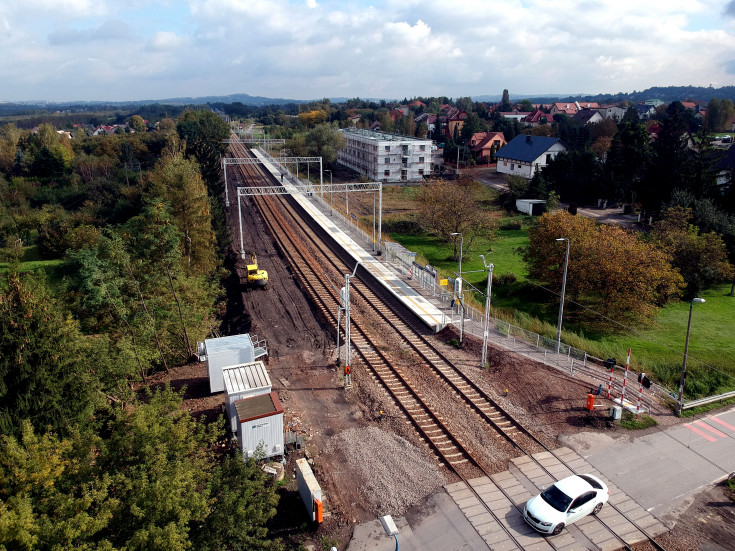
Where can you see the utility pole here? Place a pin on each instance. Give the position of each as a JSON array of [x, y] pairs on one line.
[[346, 305]]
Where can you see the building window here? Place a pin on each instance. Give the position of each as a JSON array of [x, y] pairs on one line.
[[421, 159], [512, 166], [422, 148], [421, 171], [386, 173], [387, 160], [387, 149], [505, 163]]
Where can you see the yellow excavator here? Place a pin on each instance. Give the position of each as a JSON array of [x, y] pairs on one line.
[[256, 277]]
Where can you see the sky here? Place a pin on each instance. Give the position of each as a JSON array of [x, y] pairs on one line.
[[118, 50]]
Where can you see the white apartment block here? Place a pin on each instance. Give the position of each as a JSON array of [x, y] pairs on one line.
[[385, 157]]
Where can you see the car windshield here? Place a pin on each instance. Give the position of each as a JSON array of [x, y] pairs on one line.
[[556, 498]]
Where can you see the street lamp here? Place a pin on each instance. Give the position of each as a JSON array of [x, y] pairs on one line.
[[486, 330], [331, 191], [563, 289], [458, 289], [680, 404]]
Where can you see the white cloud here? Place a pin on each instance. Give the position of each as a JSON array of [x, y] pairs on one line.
[[386, 48], [166, 41]]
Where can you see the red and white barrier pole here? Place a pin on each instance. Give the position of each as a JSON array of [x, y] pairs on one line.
[[625, 378], [640, 394], [609, 383]]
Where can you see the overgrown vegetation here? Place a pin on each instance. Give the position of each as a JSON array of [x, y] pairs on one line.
[[111, 272]]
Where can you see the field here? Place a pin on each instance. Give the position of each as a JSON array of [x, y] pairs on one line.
[[657, 347], [32, 262]]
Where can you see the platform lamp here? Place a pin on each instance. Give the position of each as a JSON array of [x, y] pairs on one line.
[[680, 401], [458, 289], [486, 326], [563, 290]]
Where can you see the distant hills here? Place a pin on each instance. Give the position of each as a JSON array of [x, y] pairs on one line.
[[666, 94]]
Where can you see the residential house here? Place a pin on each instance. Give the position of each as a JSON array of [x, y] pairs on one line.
[[454, 119], [612, 112], [588, 116], [537, 117], [525, 155], [396, 114], [483, 144], [515, 115], [644, 111], [571, 108], [429, 119]]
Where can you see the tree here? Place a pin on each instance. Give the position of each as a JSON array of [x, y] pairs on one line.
[[670, 165], [505, 104], [526, 105], [575, 176], [325, 141], [472, 124], [628, 158], [137, 123], [720, 114], [204, 133], [179, 181], [42, 373], [701, 258], [448, 207], [610, 269]]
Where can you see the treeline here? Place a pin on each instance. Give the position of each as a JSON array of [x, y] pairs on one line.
[[130, 263]]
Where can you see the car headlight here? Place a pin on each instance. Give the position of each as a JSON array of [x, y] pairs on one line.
[[545, 523]]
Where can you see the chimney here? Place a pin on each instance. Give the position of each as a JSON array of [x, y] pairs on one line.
[[578, 107]]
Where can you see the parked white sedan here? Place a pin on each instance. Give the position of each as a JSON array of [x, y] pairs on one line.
[[565, 502]]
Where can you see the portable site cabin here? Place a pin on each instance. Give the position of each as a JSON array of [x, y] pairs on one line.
[[224, 352], [244, 381], [260, 420]]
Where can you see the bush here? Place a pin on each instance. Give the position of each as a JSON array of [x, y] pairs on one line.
[[512, 225], [572, 208], [508, 278]]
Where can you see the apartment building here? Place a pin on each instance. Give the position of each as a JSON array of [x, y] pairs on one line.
[[385, 157]]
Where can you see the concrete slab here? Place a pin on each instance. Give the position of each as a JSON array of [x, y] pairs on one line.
[[439, 526]]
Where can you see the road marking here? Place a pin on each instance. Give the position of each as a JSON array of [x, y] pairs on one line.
[[700, 433], [721, 422], [713, 430]]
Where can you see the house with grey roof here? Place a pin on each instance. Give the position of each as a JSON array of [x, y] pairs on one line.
[[525, 155]]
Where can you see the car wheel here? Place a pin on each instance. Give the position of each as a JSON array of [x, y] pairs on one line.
[[597, 509], [557, 529]]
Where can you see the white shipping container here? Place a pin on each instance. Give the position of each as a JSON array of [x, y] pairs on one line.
[[260, 422], [224, 352], [243, 381], [530, 206], [309, 488]]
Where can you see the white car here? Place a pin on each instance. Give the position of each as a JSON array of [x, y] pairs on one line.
[[565, 502]]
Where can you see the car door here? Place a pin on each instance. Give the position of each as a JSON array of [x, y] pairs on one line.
[[581, 507]]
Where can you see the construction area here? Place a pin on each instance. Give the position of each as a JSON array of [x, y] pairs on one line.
[[367, 458]]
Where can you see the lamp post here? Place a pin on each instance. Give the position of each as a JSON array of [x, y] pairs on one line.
[[680, 401], [331, 192], [563, 289], [486, 330], [458, 289]]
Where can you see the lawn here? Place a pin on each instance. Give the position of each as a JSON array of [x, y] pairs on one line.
[[32, 261], [656, 347]]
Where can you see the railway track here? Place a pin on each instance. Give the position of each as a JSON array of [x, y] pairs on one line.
[[300, 244]]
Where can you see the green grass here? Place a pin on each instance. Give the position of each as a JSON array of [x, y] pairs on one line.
[[631, 423], [32, 262]]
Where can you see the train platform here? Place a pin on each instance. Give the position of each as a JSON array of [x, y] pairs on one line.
[[354, 243]]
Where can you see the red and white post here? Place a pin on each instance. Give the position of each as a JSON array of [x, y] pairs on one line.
[[625, 378], [609, 383], [640, 394]]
